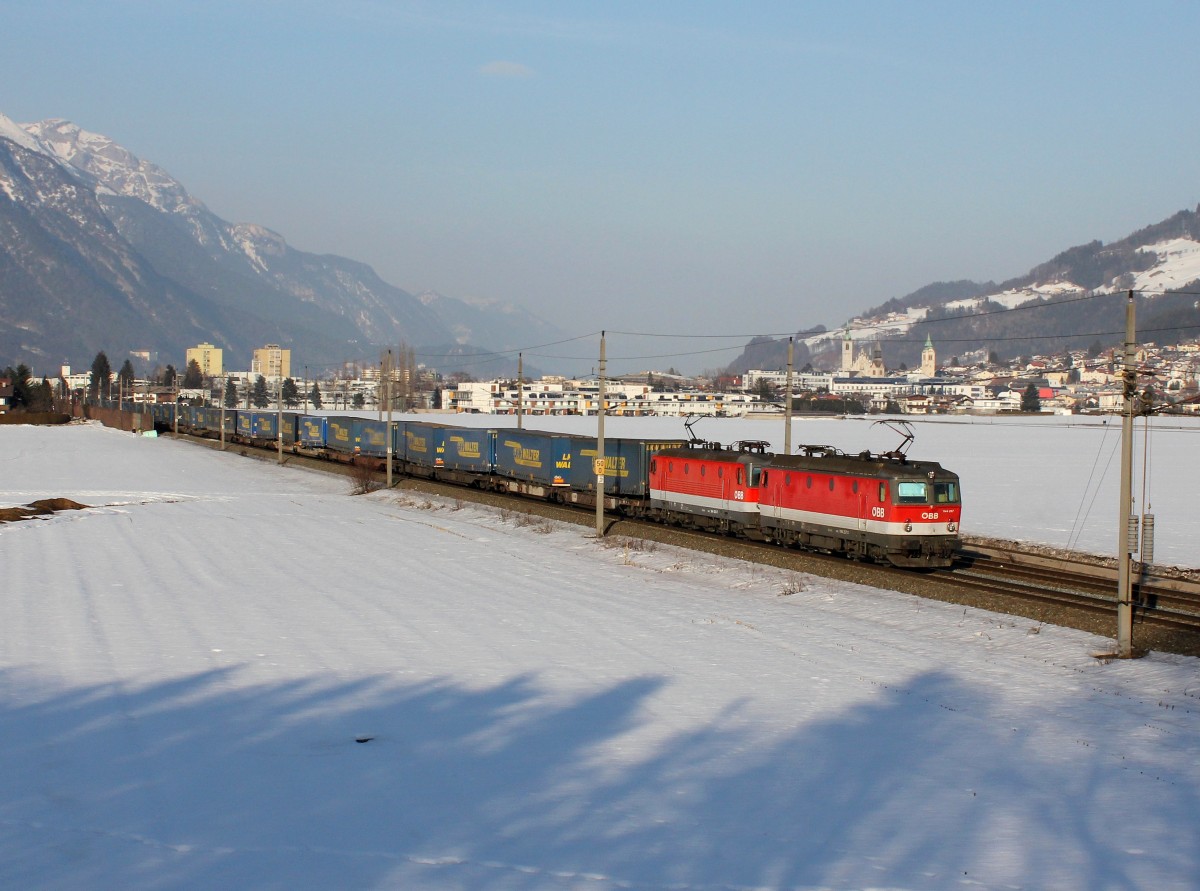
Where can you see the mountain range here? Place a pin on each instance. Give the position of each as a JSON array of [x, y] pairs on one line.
[[100, 249], [1075, 300]]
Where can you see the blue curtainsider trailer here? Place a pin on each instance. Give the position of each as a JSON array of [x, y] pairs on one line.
[[422, 444], [472, 450], [339, 436], [626, 465], [370, 437], [532, 456], [313, 430]]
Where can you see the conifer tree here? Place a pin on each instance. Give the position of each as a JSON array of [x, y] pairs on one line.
[[1030, 400], [101, 376], [126, 375], [291, 393], [259, 395], [193, 377]]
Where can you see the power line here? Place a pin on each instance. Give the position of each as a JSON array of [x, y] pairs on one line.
[[647, 356]]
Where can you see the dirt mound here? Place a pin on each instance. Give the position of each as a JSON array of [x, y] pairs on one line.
[[39, 508], [53, 504]]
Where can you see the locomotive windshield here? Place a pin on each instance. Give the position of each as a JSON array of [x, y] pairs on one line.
[[922, 492]]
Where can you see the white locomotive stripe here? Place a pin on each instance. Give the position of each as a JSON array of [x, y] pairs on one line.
[[878, 527], [749, 508]]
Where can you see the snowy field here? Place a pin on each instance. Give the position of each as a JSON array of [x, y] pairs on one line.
[[187, 668]]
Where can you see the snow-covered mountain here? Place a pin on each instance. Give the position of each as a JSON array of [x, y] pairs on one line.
[[237, 285], [1074, 300], [114, 169]]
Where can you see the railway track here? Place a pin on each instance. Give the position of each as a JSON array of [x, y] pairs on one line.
[[1168, 602], [1165, 605], [1073, 591]]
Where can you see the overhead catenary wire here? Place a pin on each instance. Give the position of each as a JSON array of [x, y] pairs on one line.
[[1146, 463], [1081, 515]]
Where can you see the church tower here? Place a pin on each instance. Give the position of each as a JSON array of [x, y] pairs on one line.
[[847, 353], [875, 367], [928, 359]]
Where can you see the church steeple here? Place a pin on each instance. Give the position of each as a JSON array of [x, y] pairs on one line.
[[928, 358]]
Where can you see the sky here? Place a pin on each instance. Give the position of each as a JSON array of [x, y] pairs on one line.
[[403, 691], [680, 168]]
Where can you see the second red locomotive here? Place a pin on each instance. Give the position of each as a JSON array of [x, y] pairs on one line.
[[879, 507]]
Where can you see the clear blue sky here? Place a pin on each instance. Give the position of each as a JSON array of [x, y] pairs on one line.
[[686, 168]]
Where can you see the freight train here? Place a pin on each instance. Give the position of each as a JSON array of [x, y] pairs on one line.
[[882, 507]]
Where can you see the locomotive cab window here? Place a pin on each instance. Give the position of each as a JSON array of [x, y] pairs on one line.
[[945, 492], [911, 492]]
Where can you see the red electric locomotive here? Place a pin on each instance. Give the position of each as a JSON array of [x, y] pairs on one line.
[[880, 507], [709, 487]]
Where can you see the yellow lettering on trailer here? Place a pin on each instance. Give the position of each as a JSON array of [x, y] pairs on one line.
[[465, 449], [524, 457]]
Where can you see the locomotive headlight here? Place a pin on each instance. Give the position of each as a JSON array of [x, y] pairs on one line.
[[908, 525], [950, 527]]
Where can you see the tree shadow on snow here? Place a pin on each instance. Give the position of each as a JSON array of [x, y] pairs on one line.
[[208, 781]]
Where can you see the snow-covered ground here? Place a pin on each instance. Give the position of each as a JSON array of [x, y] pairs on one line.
[[186, 670]]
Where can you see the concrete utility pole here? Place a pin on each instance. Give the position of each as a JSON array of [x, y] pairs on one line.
[[520, 386], [379, 390], [599, 468], [279, 417], [387, 391], [1126, 534], [787, 404]]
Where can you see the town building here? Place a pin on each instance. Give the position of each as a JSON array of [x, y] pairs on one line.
[[208, 357], [557, 396], [868, 361], [272, 362], [928, 359]]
